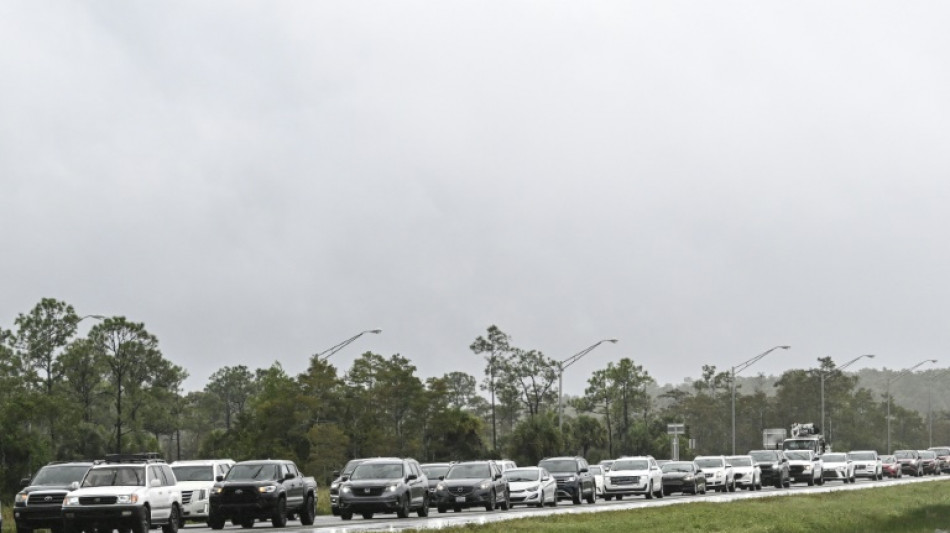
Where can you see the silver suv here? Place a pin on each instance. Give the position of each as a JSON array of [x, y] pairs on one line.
[[130, 491]]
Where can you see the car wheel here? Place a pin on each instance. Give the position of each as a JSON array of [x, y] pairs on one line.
[[346, 515], [442, 509], [576, 497], [247, 523], [649, 493], [490, 504], [732, 487], [811, 482], [367, 516], [215, 521], [592, 498], [608, 497], [424, 510], [142, 526], [309, 511], [279, 517], [506, 503], [457, 509], [403, 510], [619, 497]]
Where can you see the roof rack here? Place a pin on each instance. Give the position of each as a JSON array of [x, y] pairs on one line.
[[145, 457]]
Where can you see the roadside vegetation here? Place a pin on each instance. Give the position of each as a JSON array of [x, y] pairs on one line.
[[920, 507]]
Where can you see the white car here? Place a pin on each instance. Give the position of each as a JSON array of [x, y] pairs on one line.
[[805, 467], [746, 472], [838, 467], [630, 476], [126, 492], [598, 472], [532, 486], [195, 479], [867, 464], [720, 476]]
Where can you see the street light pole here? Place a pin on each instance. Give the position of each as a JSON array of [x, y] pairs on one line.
[[735, 370], [930, 411], [889, 382], [325, 354], [822, 376], [560, 377]]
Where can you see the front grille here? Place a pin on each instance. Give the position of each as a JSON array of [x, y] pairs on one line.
[[186, 496], [625, 480], [765, 468], [739, 476], [796, 469], [239, 494], [460, 490], [97, 500], [368, 491], [46, 498]]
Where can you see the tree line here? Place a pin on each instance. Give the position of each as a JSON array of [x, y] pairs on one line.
[[65, 396]]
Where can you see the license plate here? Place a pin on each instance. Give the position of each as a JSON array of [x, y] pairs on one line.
[[460, 499]]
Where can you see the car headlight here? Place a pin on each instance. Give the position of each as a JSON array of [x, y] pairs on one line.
[[440, 487], [71, 500], [485, 485], [570, 479], [267, 489], [127, 498], [217, 490], [533, 488], [688, 478], [807, 469], [345, 490], [392, 488], [335, 485], [21, 497]]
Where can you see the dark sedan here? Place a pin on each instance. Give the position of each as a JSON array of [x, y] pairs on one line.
[[473, 484], [683, 476]]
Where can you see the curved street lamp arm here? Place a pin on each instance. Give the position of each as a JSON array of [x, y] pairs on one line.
[[325, 354], [744, 365], [577, 357], [906, 371]]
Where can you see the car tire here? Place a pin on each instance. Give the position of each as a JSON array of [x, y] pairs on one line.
[[649, 493], [506, 503], [490, 504], [309, 511], [247, 523], [368, 516], [442, 509], [215, 522], [457, 509], [142, 526], [811, 482], [279, 516], [346, 515], [592, 498], [403, 510], [732, 488], [608, 497], [576, 497], [424, 510]]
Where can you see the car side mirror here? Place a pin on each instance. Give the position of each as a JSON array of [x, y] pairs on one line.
[[441, 478], [410, 477], [699, 471], [289, 475], [585, 470], [25, 482], [497, 477], [219, 478], [155, 483], [728, 465], [546, 478], [344, 478], [74, 485], [336, 473]]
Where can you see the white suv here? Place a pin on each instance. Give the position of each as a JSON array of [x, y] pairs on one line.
[[867, 464], [633, 475], [195, 480], [131, 491], [719, 474]]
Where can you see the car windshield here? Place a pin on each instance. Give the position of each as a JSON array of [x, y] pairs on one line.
[[806, 444], [560, 465], [252, 472], [597, 471], [927, 455], [904, 455], [117, 476], [434, 471], [378, 471], [630, 464], [797, 456], [523, 474], [711, 462], [888, 459], [193, 473], [59, 475], [861, 456], [472, 471], [740, 461], [764, 456], [350, 467], [677, 467], [941, 451], [834, 458]]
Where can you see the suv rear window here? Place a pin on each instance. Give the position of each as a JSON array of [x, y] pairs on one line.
[[194, 473], [474, 471], [559, 465]]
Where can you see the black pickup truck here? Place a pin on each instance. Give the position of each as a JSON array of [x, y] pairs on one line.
[[268, 490]]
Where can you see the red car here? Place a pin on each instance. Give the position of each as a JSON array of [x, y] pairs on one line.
[[891, 467], [943, 457], [929, 464]]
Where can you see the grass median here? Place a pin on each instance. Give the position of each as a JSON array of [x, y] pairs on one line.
[[919, 507]]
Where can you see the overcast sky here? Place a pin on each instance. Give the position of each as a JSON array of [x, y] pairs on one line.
[[258, 181]]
